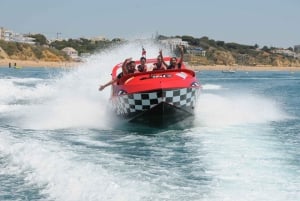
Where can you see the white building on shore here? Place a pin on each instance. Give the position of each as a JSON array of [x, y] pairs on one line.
[[71, 52], [8, 35], [174, 42], [286, 52]]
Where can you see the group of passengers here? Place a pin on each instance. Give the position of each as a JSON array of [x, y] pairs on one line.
[[129, 66]]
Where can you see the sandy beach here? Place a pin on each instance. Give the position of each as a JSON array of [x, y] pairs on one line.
[[29, 63]]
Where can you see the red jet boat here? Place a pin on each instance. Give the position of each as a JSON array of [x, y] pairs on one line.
[[155, 98]]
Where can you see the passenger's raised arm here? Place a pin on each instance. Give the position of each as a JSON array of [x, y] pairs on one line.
[[124, 68], [165, 65], [181, 55]]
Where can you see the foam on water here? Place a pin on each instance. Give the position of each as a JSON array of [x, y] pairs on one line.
[[243, 155], [211, 87], [246, 163], [71, 99], [12, 90], [62, 174], [230, 154], [240, 109]]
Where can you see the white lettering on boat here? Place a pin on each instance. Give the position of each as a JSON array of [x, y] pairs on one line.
[[182, 75]]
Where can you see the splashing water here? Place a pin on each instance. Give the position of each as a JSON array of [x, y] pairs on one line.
[[242, 109], [71, 99], [56, 142]]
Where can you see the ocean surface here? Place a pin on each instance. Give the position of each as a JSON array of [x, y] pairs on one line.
[[56, 142]]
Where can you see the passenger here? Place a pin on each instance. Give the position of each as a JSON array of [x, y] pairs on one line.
[[128, 67], [143, 52], [143, 66], [160, 63], [173, 61]]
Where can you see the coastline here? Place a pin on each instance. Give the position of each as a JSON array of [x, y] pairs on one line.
[[4, 63], [245, 68], [38, 63]]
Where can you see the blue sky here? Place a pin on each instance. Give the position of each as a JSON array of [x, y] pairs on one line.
[[263, 22]]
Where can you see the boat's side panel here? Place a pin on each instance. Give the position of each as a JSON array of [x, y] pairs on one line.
[[129, 104]]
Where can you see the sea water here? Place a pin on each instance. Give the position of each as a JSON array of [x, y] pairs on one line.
[[57, 143]]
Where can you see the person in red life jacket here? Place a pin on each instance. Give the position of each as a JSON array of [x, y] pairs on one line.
[[174, 64], [160, 63], [143, 52], [142, 67], [128, 67]]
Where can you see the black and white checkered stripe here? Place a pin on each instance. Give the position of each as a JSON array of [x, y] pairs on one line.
[[131, 103]]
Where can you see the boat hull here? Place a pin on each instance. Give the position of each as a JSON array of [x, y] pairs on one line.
[[162, 114], [155, 108]]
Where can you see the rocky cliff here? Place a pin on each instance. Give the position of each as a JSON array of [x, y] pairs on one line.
[[20, 51]]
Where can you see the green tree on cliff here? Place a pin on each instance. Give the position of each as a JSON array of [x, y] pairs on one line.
[[40, 39]]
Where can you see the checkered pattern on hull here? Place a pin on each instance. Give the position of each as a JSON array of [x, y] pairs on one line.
[[139, 102]]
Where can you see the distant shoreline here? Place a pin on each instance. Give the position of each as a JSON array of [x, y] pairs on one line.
[[27, 63], [245, 68]]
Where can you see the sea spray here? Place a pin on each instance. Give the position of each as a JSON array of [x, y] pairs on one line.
[[226, 110], [71, 99]]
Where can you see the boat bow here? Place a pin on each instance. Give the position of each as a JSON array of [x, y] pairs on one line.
[[156, 97]]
